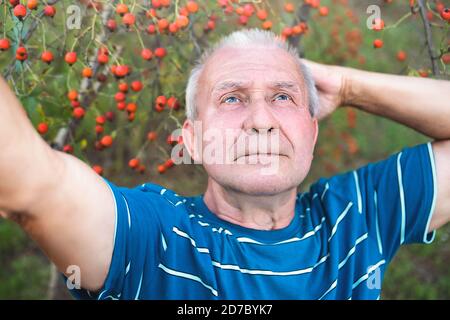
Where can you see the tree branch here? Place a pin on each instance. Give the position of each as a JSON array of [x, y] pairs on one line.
[[428, 37]]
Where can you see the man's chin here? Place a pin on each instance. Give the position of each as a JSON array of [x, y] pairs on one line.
[[262, 185]]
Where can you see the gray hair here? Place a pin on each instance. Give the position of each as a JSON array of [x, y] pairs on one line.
[[248, 38]]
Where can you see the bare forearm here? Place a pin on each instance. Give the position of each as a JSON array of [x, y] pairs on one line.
[[24, 156], [420, 103]]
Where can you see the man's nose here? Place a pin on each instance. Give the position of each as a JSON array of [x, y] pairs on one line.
[[260, 118]]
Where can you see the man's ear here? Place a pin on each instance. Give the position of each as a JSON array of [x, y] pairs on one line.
[[188, 133]]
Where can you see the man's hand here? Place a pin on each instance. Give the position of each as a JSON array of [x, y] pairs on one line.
[[331, 83]]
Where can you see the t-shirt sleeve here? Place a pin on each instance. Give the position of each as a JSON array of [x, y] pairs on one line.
[[397, 196], [135, 244]]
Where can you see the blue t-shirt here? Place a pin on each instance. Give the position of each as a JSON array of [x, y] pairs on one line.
[[345, 231]]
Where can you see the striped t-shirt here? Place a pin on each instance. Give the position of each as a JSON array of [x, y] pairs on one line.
[[345, 231]]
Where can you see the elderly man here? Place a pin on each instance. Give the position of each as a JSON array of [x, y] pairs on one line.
[[251, 235]]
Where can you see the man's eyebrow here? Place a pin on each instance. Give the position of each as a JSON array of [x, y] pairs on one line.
[[289, 85], [226, 85]]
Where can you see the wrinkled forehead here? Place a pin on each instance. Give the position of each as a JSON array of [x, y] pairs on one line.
[[261, 66]]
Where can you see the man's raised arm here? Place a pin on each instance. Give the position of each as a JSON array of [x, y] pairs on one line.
[[419, 103], [56, 198]]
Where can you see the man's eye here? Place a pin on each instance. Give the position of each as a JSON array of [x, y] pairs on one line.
[[283, 97], [231, 99]]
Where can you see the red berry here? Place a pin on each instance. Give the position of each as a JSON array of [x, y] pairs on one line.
[[445, 14], [160, 52], [323, 11], [49, 11], [128, 19], [121, 105], [173, 28], [99, 129], [47, 57], [146, 54], [446, 58], [131, 116], [4, 44], [378, 43], [102, 58], [71, 58], [78, 113], [151, 136], [172, 103], [401, 55], [136, 86], [119, 96], [106, 141], [169, 163], [21, 54], [151, 28], [133, 163], [100, 120], [98, 169], [156, 4], [123, 87], [159, 107], [20, 11], [162, 24], [161, 100], [42, 128], [121, 71], [111, 25], [68, 148]]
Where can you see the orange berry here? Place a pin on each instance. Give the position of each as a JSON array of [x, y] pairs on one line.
[[289, 7], [87, 72], [133, 163], [72, 95], [121, 9], [106, 141], [192, 6], [261, 14]]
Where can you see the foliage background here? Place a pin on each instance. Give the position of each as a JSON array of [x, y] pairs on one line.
[[417, 272]]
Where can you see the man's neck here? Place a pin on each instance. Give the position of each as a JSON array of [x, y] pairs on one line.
[[268, 212]]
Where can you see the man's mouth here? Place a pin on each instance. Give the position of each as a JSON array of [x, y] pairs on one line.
[[260, 155]]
